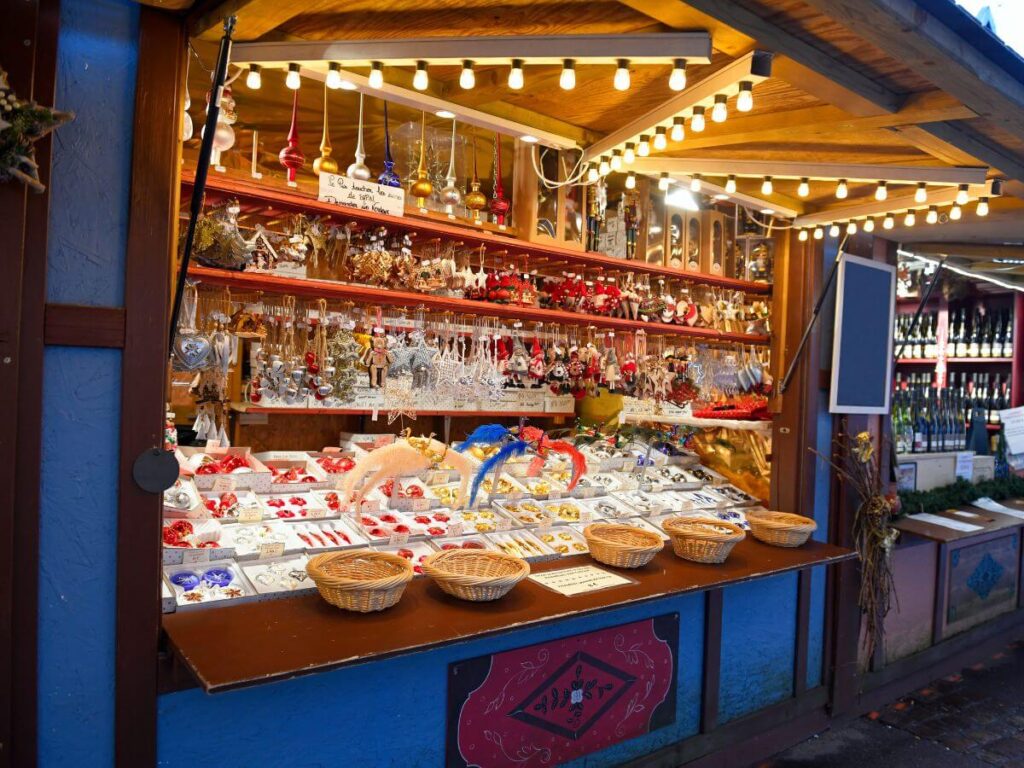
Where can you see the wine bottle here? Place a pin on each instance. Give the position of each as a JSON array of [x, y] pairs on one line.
[[974, 344], [1007, 346], [931, 337], [985, 343]]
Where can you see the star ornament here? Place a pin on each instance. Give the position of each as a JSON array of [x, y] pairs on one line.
[[399, 399], [22, 123]]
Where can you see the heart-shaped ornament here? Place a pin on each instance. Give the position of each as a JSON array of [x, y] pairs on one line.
[[191, 351]]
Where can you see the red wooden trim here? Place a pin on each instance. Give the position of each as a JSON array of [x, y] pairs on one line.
[[711, 678], [1017, 372], [223, 186], [151, 239], [362, 294], [71, 325]]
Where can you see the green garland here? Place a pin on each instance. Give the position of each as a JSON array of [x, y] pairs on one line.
[[959, 494]]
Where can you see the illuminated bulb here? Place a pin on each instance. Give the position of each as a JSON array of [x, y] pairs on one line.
[[804, 189], [333, 76], [766, 186], [921, 193], [881, 191], [889, 221], [802, 236], [910, 219], [961, 195], [819, 233], [567, 80], [869, 225], [603, 167], [631, 180], [933, 215], [695, 183], [833, 231], [420, 80], [719, 111], [643, 148], [663, 182], [730, 185], [851, 228], [592, 174], [621, 79], [253, 79], [955, 212], [629, 154], [842, 190], [982, 209], [292, 79], [515, 75], [745, 99], [677, 80], [376, 78], [466, 78], [678, 132], [616, 161], [660, 139], [697, 121]]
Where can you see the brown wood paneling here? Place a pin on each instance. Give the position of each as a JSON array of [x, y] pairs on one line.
[[712, 673], [151, 238], [72, 325]]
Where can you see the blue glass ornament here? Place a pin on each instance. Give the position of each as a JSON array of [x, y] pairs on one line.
[[185, 579], [388, 178]]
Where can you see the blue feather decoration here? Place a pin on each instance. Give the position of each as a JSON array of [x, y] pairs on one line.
[[515, 448], [486, 434]]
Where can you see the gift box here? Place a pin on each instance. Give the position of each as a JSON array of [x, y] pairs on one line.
[[564, 540], [522, 544], [233, 506], [297, 506], [261, 540], [328, 535], [293, 471], [225, 469], [203, 584]]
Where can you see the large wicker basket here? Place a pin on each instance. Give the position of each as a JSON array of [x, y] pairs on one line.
[[475, 574], [621, 545], [702, 540], [781, 529], [360, 579]]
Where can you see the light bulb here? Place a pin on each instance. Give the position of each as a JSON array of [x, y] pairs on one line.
[[869, 225], [697, 121], [695, 183], [420, 80], [802, 236], [842, 190], [376, 78], [961, 195], [851, 228], [678, 132], [730, 185], [333, 76], [955, 212], [833, 231], [677, 80], [745, 98], [663, 182], [910, 219], [719, 111], [766, 186], [921, 193], [629, 153], [466, 77], [889, 221], [881, 191], [643, 148], [292, 79], [567, 80], [660, 139], [621, 79], [804, 189], [253, 79], [631, 180], [982, 209], [515, 75], [819, 233], [616, 161], [592, 174], [933, 215], [603, 167]]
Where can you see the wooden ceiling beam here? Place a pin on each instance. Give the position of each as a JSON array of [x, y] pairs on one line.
[[971, 250], [255, 17], [963, 136]]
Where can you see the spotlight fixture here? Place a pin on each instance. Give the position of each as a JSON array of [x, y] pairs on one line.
[[629, 153], [869, 224], [616, 162], [660, 139], [961, 195], [643, 148], [730, 185], [833, 231], [889, 221], [932, 217], [376, 78], [444, 114], [921, 193], [631, 180], [695, 182], [766, 186], [805, 188], [466, 77], [881, 191], [663, 182], [677, 80], [842, 190], [603, 167], [982, 209], [515, 75], [292, 79], [745, 98], [910, 219], [420, 80], [621, 79], [253, 79], [955, 212], [567, 80], [719, 112], [678, 132], [697, 122]]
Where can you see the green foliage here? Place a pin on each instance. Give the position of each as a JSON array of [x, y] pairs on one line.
[[959, 494]]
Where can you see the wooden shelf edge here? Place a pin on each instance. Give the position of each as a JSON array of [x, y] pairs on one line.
[[246, 408], [955, 360]]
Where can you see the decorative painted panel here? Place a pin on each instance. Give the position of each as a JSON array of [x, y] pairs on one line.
[[982, 581]]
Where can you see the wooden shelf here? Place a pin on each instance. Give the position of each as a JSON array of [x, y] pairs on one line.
[[956, 361], [246, 408], [221, 186], [361, 294]]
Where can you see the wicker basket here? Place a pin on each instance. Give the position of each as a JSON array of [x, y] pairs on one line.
[[361, 579], [781, 529], [621, 545], [702, 540], [475, 574]]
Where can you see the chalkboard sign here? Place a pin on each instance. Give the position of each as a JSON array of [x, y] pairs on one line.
[[862, 345]]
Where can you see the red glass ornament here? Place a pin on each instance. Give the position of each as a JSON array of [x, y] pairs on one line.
[[291, 156], [499, 205]]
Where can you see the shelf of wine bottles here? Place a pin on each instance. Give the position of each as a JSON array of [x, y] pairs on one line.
[[927, 418], [975, 333]]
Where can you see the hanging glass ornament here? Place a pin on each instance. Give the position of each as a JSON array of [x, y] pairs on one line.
[[499, 205], [358, 169], [291, 156], [186, 120], [325, 163], [224, 134], [388, 177], [421, 187], [476, 201], [451, 195]]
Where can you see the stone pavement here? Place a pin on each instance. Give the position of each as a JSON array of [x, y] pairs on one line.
[[971, 720]]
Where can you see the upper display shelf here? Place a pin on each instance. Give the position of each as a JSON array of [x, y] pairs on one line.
[[220, 187]]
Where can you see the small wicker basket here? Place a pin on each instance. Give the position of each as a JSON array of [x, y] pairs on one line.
[[360, 579], [621, 545], [781, 529], [475, 574], [702, 540]]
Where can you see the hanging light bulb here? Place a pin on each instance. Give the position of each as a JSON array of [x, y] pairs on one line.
[[719, 112], [592, 174], [631, 180], [420, 80], [678, 132], [745, 98], [616, 161], [515, 75], [881, 191], [253, 79], [695, 182], [567, 80], [982, 209], [766, 186], [910, 219], [621, 79], [961, 195], [833, 231], [292, 79], [677, 80], [376, 78], [333, 80], [629, 153], [819, 233], [603, 167], [660, 139], [851, 228], [643, 148], [869, 225], [921, 193], [730, 185], [889, 221], [697, 121], [466, 77], [955, 212], [933, 215], [805, 188], [842, 190], [802, 236], [663, 182]]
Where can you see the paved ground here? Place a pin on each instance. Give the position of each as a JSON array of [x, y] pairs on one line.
[[971, 720]]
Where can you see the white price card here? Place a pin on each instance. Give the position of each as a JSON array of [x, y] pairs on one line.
[[994, 506], [1013, 428], [455, 528], [580, 579], [224, 485], [315, 513], [271, 549], [251, 513], [398, 539], [944, 522], [420, 505], [504, 524], [194, 556], [965, 464]]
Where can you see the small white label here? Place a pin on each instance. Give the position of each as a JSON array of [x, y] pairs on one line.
[[271, 549], [504, 524], [398, 539], [224, 485], [316, 513], [339, 482], [965, 465], [419, 505], [250, 513], [364, 195], [544, 524], [455, 528], [373, 415], [193, 556], [212, 444]]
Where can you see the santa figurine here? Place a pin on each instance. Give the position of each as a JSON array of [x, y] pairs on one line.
[[628, 372], [538, 368]]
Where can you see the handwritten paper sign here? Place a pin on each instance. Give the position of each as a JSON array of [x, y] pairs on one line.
[[965, 465], [1013, 428], [582, 578], [364, 195]]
